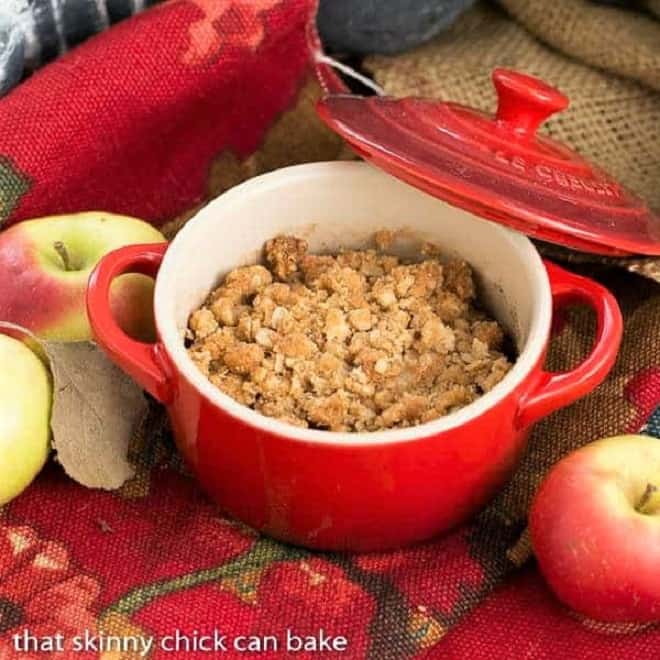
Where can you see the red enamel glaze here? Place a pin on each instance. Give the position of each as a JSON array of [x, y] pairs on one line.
[[341, 496], [498, 167], [525, 102], [556, 389], [138, 360]]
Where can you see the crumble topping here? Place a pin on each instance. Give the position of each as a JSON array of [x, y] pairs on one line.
[[358, 341]]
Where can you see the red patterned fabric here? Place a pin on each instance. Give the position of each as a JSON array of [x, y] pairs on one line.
[[523, 619], [149, 119], [130, 121]]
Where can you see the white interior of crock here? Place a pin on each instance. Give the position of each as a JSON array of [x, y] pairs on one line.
[[342, 204]]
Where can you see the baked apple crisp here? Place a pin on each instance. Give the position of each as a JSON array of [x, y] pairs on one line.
[[358, 341]]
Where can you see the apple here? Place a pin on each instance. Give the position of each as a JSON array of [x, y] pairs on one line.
[[25, 403], [44, 268], [595, 529]]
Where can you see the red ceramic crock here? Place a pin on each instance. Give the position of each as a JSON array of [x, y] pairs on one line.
[[350, 491]]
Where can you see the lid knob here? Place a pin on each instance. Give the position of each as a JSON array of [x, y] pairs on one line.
[[525, 102]]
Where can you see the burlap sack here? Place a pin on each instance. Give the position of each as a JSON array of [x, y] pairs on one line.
[[626, 43], [612, 121]]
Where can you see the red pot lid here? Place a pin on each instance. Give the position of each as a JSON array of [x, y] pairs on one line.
[[499, 167]]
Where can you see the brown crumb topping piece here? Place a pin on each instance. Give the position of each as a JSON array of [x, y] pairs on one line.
[[358, 341]]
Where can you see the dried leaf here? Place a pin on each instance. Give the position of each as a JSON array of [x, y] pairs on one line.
[[96, 409]]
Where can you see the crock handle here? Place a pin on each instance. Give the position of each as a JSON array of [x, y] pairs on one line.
[[556, 390], [143, 362]]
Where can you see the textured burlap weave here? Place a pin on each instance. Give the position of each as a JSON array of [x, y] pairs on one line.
[[613, 121], [626, 43]]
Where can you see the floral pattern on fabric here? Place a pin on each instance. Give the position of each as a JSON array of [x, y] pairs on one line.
[[133, 129], [643, 391], [42, 592], [13, 185], [208, 34]]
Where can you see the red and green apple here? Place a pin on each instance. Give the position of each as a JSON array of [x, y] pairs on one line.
[[25, 403], [595, 529], [45, 264]]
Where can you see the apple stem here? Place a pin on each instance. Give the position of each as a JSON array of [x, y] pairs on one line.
[[60, 248], [646, 496]]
